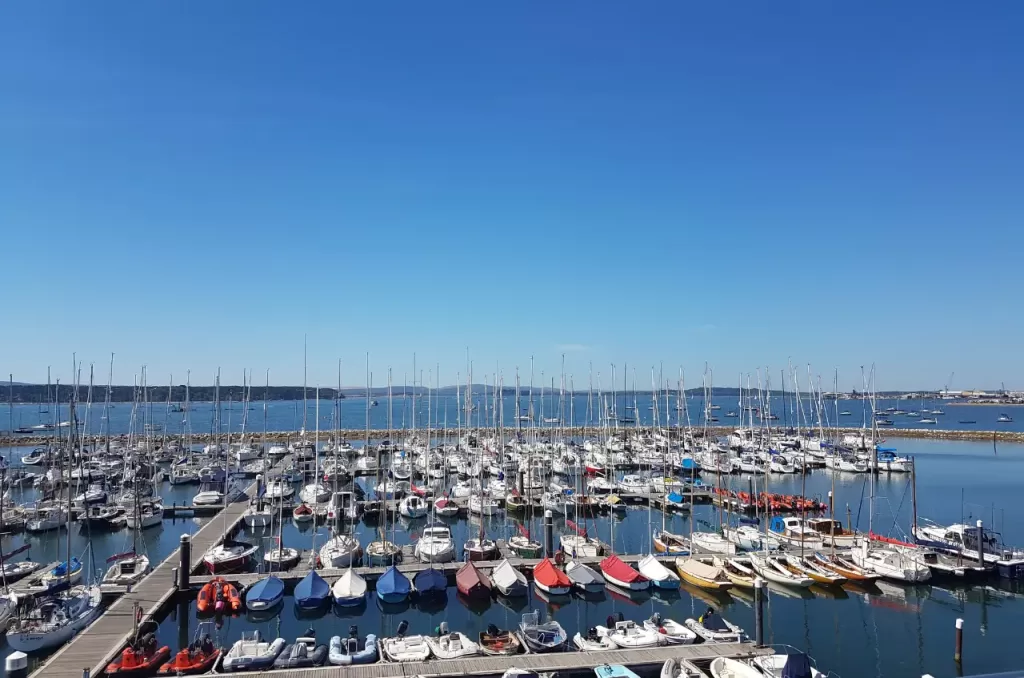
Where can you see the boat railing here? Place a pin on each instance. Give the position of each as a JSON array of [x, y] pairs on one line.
[[784, 648]]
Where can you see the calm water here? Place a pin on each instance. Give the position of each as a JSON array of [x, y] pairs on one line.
[[894, 630], [286, 415]]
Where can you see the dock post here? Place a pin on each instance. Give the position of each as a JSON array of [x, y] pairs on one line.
[[521, 480], [549, 534], [759, 612], [830, 509], [981, 546], [184, 562], [959, 641]]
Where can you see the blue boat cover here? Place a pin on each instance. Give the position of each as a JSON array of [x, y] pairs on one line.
[[393, 582], [675, 497], [312, 590], [688, 464], [266, 590], [613, 671], [430, 581], [797, 666], [62, 569]]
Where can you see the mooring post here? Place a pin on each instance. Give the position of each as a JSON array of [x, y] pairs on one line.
[[521, 480], [549, 534], [759, 612], [831, 511], [959, 641], [184, 562], [981, 546]]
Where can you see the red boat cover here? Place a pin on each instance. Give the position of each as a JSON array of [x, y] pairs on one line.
[[616, 569], [469, 580], [546, 573]]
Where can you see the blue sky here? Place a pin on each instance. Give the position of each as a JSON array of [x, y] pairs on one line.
[[194, 186]]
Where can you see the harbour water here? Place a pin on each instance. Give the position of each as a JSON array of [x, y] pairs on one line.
[[888, 630], [548, 409]]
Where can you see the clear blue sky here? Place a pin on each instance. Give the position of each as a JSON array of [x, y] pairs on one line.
[[199, 185]]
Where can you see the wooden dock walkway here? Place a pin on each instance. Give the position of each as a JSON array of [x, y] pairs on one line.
[[97, 645], [551, 661]]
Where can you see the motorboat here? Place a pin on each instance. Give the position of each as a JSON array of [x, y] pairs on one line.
[[962, 541], [661, 577], [796, 665], [596, 640], [258, 515], [303, 653], [550, 579], [671, 632], [252, 653], [314, 493], [622, 575], [701, 574], [279, 490], [218, 596], [141, 658], [546, 637], [196, 659], [265, 594], [347, 651], [350, 589], [630, 635], [451, 645], [508, 580], [792, 531], [584, 577], [435, 545], [749, 538], [402, 648], [228, 555], [711, 627], [724, 667]]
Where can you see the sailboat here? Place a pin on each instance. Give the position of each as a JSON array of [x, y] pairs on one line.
[[508, 580], [550, 579], [584, 577], [350, 589], [430, 582], [129, 567], [265, 594], [623, 575], [381, 552], [312, 591], [661, 577], [471, 582], [393, 586]]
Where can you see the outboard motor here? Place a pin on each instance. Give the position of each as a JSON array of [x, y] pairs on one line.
[[492, 630], [402, 628], [442, 629]]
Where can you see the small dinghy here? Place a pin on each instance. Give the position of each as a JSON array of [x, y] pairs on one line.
[[312, 591], [661, 577], [596, 640], [672, 632], [192, 660], [303, 513], [218, 596], [550, 579], [509, 581], [453, 645], [471, 582], [430, 582], [622, 575], [613, 671], [713, 628], [403, 648], [701, 574], [265, 594], [59, 574], [252, 653], [350, 589], [628, 634], [393, 586], [303, 653], [584, 577], [723, 667], [498, 643], [546, 637], [347, 651], [142, 658]]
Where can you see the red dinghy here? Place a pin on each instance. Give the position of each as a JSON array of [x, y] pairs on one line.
[[472, 582], [549, 578], [622, 575]]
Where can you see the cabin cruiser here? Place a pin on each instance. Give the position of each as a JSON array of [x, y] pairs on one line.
[[962, 540]]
